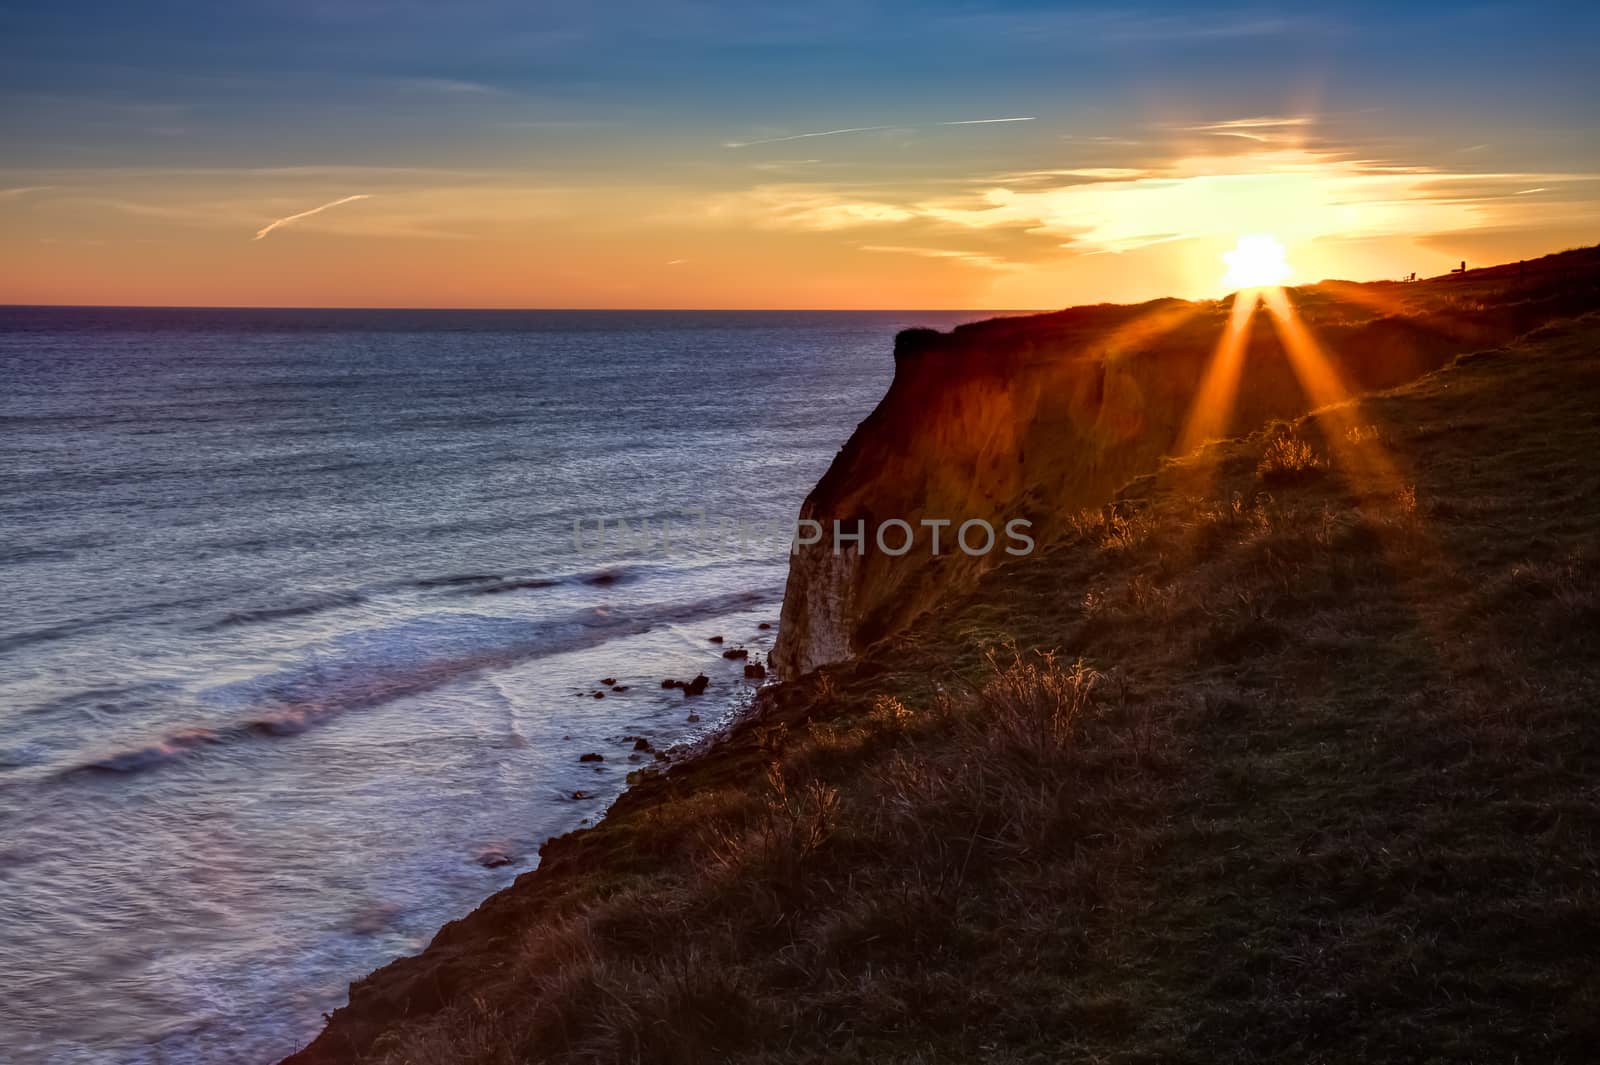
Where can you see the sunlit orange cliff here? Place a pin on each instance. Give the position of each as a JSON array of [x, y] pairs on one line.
[[1038, 417]]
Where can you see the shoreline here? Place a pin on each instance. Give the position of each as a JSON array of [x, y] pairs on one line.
[[736, 704], [570, 859]]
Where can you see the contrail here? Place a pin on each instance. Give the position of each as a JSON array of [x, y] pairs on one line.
[[803, 136], [875, 129], [988, 121], [264, 230]]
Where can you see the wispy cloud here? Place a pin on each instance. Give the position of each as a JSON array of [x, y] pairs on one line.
[[12, 194], [1071, 175], [987, 121], [454, 87], [1263, 129], [1297, 194], [807, 207], [971, 258], [803, 136], [1207, 26], [877, 129], [783, 164], [291, 219], [1064, 28], [434, 207], [1264, 122]]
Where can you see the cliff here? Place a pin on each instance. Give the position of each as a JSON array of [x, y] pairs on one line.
[[1309, 778], [1039, 417], [1294, 764]]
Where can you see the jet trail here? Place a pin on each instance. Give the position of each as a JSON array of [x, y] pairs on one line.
[[875, 129], [264, 230]]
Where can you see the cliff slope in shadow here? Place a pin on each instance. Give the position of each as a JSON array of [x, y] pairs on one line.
[[1037, 417]]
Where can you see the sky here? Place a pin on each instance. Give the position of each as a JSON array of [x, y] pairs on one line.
[[710, 154]]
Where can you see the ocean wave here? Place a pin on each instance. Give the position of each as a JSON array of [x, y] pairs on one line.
[[166, 749], [496, 584], [317, 538], [21, 756], [140, 611], [375, 666], [315, 605], [453, 580], [113, 700], [18, 554], [500, 587], [52, 632]]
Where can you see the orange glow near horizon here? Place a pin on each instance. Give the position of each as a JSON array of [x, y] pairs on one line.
[[777, 234]]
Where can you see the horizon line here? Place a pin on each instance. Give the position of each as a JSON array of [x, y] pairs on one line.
[[509, 310]]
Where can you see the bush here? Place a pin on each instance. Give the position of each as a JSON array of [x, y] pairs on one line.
[[1287, 459], [1031, 704]]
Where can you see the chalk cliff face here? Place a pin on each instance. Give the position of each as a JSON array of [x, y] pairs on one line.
[[1039, 417]]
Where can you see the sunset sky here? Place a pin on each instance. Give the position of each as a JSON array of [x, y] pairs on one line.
[[831, 155]]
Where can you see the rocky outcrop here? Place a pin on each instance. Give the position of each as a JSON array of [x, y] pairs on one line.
[[1036, 418]]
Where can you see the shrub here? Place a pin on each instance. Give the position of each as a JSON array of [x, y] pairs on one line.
[[1286, 459], [789, 826], [1031, 703]]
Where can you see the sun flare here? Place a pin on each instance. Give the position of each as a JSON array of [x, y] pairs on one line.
[[1256, 261]]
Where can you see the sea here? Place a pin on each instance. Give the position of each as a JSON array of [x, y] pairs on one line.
[[308, 618]]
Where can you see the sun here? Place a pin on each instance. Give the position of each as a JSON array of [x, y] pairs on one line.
[[1256, 261]]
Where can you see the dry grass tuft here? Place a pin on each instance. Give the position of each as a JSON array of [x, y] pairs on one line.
[[791, 825], [1030, 703], [1287, 459]]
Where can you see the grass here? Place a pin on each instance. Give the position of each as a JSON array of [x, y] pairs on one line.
[[1259, 763], [1286, 458]]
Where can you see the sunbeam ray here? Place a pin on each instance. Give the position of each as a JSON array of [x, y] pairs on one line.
[[1359, 452], [1213, 403]]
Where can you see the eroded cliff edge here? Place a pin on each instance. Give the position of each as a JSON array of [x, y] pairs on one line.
[[1040, 417]]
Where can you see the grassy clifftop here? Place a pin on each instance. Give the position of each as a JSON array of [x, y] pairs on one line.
[[1024, 417], [1292, 753]]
